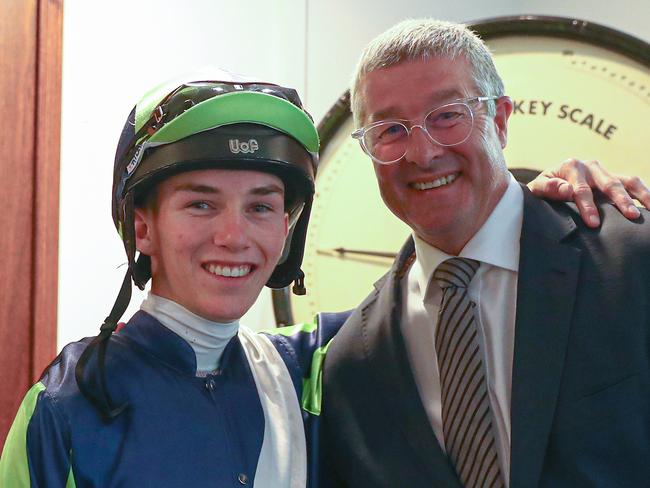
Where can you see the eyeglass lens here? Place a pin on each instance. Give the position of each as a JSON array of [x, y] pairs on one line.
[[448, 125]]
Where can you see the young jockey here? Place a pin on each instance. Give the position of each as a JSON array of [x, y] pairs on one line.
[[213, 186]]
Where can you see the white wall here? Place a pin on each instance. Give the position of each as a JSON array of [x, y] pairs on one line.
[[114, 51], [339, 29]]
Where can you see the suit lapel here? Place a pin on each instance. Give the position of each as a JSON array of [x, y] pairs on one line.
[[548, 271], [388, 361]]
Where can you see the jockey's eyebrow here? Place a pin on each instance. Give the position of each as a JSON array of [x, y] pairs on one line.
[[200, 188]]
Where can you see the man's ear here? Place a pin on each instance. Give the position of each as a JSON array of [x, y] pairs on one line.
[[143, 231], [503, 110]]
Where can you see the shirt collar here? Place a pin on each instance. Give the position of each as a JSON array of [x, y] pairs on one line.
[[150, 335], [207, 338], [496, 243]]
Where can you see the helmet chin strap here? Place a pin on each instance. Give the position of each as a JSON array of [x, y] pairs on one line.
[[93, 386], [140, 270]]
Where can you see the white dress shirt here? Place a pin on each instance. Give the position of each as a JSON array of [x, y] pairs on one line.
[[494, 290]]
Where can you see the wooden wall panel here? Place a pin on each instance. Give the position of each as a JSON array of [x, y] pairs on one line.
[[30, 74], [46, 211], [17, 110]]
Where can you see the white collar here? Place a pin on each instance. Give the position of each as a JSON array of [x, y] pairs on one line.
[[206, 337]]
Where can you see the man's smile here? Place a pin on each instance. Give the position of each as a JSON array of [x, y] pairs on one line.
[[427, 185]]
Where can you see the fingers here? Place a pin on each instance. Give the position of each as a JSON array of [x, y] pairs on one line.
[[637, 189], [614, 188], [575, 180], [545, 186], [584, 200], [580, 176]]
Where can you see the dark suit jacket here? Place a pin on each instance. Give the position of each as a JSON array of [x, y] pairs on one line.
[[580, 412]]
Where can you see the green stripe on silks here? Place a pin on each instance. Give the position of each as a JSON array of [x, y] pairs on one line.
[[14, 467], [291, 330], [312, 387], [70, 483]]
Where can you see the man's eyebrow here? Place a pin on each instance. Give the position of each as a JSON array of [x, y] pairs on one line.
[[258, 190], [438, 98], [267, 190], [447, 96], [194, 188]]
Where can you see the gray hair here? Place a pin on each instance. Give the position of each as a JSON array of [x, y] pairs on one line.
[[419, 39]]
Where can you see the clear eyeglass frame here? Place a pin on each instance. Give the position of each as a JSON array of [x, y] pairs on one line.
[[360, 133]]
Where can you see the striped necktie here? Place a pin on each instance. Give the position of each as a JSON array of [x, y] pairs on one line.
[[466, 414]]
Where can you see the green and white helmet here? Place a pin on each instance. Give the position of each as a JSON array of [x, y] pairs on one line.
[[228, 122]]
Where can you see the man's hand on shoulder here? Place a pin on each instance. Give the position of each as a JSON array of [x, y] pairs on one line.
[[574, 180]]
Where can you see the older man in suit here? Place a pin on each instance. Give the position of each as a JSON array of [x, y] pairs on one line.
[[509, 345]]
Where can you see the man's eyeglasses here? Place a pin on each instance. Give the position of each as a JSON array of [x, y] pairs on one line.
[[386, 141]]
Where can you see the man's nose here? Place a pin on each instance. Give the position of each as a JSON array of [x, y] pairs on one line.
[[231, 231], [420, 149]]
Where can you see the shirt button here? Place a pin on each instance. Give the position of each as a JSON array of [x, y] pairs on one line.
[[210, 384], [243, 479]]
